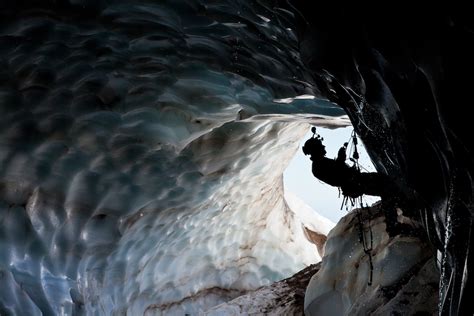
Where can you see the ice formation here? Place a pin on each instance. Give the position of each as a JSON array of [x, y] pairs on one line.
[[405, 276], [142, 148], [402, 74], [141, 139], [404, 279]]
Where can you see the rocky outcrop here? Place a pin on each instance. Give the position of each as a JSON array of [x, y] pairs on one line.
[[280, 298], [404, 279]]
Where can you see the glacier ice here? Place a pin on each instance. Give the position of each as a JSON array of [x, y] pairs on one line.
[[406, 87], [404, 280], [141, 155]]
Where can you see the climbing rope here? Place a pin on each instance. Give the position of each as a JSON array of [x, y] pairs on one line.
[[355, 153], [367, 245], [346, 200], [367, 242]]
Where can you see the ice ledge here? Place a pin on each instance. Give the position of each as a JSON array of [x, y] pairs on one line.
[[405, 277]]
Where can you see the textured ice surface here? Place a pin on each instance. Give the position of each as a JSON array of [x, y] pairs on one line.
[[141, 155], [405, 277]]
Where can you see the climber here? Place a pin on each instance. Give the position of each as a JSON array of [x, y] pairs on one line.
[[352, 182], [314, 146], [341, 154]]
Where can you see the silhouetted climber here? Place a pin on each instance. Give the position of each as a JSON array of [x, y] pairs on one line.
[[341, 154], [314, 146], [352, 182]]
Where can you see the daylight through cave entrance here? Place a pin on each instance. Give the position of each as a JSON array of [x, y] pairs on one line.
[[321, 197]]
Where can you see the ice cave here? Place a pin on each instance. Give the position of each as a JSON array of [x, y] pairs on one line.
[[143, 146]]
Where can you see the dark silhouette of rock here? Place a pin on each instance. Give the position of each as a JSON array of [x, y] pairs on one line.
[[403, 75]]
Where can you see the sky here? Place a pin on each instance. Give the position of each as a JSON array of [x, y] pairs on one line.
[[322, 197]]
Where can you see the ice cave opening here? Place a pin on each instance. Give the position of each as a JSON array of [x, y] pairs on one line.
[[143, 143], [300, 184]]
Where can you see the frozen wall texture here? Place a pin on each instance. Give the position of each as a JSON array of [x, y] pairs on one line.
[[404, 277], [139, 139], [142, 147], [403, 75]]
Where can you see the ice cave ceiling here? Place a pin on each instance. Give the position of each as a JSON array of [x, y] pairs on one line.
[[142, 144]]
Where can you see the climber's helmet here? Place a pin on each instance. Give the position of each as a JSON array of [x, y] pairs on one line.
[[314, 147]]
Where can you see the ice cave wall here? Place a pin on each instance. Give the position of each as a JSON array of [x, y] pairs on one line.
[[403, 75], [404, 278], [142, 147], [405, 275]]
